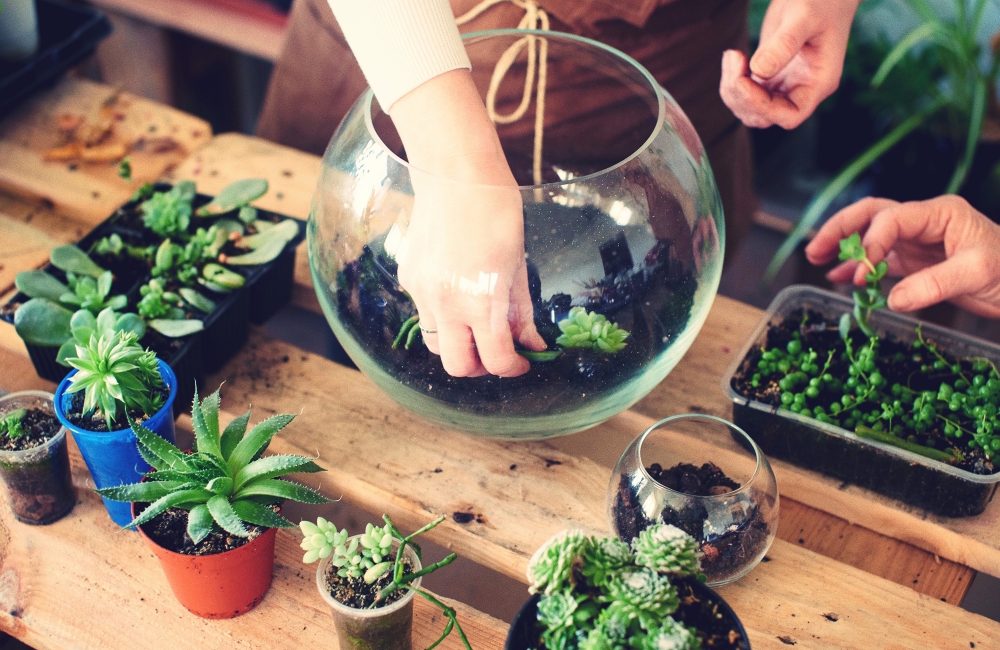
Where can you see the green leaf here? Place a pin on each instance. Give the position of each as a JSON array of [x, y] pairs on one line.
[[131, 323], [152, 446], [267, 252], [248, 214], [281, 489], [274, 467], [220, 485], [176, 328], [163, 504], [844, 326], [66, 350], [205, 419], [256, 441], [851, 248], [284, 231], [223, 277], [233, 434], [235, 195], [224, 515], [39, 284], [104, 283], [42, 322], [196, 300], [543, 356], [259, 515], [146, 491], [905, 45], [200, 523], [71, 259]]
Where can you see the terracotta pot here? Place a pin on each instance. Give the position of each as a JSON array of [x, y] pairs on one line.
[[222, 585], [381, 628]]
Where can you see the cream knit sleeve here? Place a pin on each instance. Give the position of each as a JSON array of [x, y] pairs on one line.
[[400, 44]]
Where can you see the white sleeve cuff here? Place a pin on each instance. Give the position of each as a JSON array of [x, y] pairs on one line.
[[400, 44]]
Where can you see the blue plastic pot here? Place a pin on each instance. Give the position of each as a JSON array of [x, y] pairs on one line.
[[112, 456]]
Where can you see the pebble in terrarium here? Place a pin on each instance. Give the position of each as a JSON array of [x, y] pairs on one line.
[[622, 238]]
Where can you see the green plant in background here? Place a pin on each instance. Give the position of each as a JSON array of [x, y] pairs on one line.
[[943, 50], [11, 424], [113, 245], [236, 196], [117, 376], [169, 213], [157, 302], [601, 593], [225, 483], [92, 294], [370, 556]]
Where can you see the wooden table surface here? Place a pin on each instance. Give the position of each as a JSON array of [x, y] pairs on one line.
[[80, 583]]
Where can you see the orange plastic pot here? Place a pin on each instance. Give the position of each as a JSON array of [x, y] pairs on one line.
[[223, 585]]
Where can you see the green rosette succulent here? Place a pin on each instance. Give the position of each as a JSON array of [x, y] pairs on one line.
[[551, 568], [591, 331], [368, 556], [604, 558], [650, 595], [169, 213], [670, 635], [667, 549], [611, 630]]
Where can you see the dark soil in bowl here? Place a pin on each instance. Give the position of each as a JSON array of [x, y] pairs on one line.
[[38, 425], [169, 530], [898, 362], [356, 593], [93, 422]]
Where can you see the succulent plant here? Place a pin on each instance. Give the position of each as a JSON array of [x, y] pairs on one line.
[[169, 213], [590, 330], [667, 549], [11, 424], [226, 482], [602, 594], [84, 324], [157, 302], [116, 375], [92, 294]]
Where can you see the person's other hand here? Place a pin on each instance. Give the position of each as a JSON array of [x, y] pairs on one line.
[[943, 248], [796, 66], [462, 257]]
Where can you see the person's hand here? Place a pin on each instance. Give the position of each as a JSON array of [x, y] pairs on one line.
[[796, 66], [462, 257], [943, 247]]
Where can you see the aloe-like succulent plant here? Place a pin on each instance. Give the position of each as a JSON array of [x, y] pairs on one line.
[[590, 330], [600, 593], [226, 482], [116, 375]]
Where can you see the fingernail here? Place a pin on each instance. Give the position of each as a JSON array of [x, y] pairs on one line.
[[900, 299]]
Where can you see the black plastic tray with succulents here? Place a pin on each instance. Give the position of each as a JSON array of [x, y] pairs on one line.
[[193, 271], [873, 398]]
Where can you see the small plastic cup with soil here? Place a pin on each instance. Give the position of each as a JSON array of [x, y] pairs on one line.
[[707, 477], [33, 459], [360, 623]]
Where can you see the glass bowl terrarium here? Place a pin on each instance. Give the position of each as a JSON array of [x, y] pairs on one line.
[[623, 237], [707, 477]]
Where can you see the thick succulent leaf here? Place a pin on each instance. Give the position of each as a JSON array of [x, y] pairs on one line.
[[284, 231], [256, 441], [176, 328], [197, 300], [131, 323], [169, 501], [42, 322], [66, 350], [235, 195], [220, 485], [154, 448], [197, 476], [266, 253], [259, 515], [200, 523], [39, 284], [148, 491], [233, 434], [274, 467], [71, 259], [205, 419], [224, 515], [282, 489]]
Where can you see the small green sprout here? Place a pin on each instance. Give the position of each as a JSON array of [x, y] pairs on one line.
[[867, 301], [590, 330], [371, 556], [11, 424], [125, 168]]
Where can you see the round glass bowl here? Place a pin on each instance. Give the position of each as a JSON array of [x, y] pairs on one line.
[[706, 476], [621, 215]]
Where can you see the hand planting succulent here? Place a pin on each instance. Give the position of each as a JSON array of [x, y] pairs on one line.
[[225, 483], [169, 213], [117, 377], [372, 566], [602, 593]]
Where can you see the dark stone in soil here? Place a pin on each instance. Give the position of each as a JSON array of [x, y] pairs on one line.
[[356, 593], [39, 426], [169, 530]]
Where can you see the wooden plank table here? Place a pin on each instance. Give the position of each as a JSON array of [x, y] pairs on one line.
[[885, 592]]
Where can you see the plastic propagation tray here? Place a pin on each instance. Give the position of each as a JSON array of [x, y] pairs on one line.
[[898, 473], [67, 33]]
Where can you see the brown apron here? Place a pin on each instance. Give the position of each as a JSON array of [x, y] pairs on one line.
[[680, 41]]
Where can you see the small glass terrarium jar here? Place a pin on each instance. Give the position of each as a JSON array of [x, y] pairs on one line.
[[707, 477], [34, 462]]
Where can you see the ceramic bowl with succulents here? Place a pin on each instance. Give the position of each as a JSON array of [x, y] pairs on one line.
[[599, 592]]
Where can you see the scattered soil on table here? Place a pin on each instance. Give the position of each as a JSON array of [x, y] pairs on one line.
[[356, 593], [169, 530], [714, 627], [39, 426], [94, 422]]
